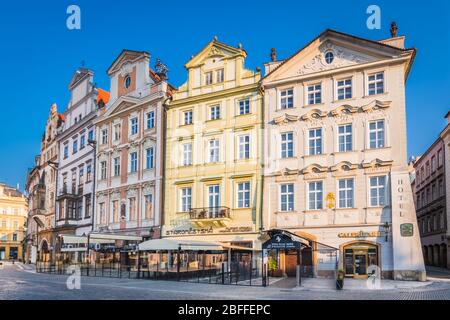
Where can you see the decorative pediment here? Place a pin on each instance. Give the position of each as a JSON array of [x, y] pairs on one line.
[[342, 57], [344, 166], [289, 172], [121, 104], [79, 76], [333, 50], [376, 105], [214, 49], [377, 163], [314, 169], [314, 114], [285, 119], [344, 110], [125, 60]]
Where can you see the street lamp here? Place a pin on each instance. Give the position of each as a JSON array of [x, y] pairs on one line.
[[387, 229]]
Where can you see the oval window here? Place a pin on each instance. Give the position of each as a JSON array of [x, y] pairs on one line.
[[329, 57], [127, 82]]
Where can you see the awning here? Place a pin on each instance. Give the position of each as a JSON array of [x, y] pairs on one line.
[[186, 245], [114, 237], [71, 239], [173, 245]]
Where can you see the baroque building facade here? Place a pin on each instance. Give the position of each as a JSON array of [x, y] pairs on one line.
[[41, 190], [13, 218], [213, 160], [76, 147], [430, 188], [130, 131], [335, 153]]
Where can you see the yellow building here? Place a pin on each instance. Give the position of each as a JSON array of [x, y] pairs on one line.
[[13, 215], [213, 185]]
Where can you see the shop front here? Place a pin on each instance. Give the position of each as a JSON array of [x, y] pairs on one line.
[[360, 258]]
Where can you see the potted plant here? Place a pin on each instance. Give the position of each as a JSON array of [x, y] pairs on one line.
[[340, 279], [273, 268]]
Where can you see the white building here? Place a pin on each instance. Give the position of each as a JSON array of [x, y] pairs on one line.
[[75, 187], [336, 160]]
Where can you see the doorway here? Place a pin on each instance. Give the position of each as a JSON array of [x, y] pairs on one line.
[[358, 258]]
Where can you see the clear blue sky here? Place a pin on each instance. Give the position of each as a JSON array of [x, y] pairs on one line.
[[39, 54]]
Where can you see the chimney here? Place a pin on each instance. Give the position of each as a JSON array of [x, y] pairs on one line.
[[395, 40]]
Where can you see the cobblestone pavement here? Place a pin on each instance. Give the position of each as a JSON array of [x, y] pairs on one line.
[[18, 282]]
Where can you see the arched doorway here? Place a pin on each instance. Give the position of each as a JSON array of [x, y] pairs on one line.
[[358, 256], [44, 252]]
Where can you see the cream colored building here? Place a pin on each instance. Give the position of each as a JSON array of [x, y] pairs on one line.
[[213, 158], [335, 159], [13, 216]]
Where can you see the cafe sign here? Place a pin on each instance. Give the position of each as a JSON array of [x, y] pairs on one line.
[[361, 234]]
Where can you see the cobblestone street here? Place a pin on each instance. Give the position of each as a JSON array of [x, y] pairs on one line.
[[18, 282]]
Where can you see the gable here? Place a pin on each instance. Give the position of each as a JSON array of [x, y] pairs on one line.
[[125, 60], [346, 51], [214, 51], [118, 106]]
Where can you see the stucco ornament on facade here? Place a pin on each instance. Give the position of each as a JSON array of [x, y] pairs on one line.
[[342, 58]]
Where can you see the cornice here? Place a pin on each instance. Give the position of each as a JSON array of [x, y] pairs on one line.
[[214, 95]]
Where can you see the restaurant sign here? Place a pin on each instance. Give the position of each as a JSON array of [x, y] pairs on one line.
[[361, 234], [281, 242]]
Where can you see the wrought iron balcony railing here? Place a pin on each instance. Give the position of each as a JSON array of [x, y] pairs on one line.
[[210, 213]]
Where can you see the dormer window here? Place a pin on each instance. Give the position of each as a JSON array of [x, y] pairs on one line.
[[127, 82]]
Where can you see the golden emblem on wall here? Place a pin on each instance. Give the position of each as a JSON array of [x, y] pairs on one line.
[[331, 200]]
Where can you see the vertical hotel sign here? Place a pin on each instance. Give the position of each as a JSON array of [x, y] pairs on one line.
[[406, 242]]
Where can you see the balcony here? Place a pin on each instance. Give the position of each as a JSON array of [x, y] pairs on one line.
[[217, 216]]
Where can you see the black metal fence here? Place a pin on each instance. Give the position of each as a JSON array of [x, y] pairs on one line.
[[234, 273]]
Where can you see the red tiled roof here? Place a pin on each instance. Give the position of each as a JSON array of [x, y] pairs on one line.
[[103, 95]]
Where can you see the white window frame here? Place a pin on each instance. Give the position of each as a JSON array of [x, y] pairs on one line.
[[349, 193], [375, 82], [150, 158], [318, 202], [314, 151], [377, 131], [244, 106], [344, 136], [378, 189], [314, 90], [215, 112], [134, 162], [104, 136], [244, 146], [134, 127], [188, 117], [289, 204], [116, 166], [345, 87], [220, 75], [288, 145], [286, 98], [209, 78], [187, 154], [103, 170], [214, 150], [151, 120], [243, 195], [186, 199]]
